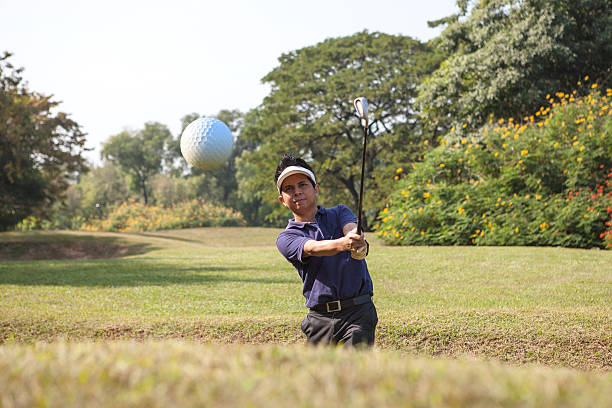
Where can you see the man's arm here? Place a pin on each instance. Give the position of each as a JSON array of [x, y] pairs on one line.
[[351, 241]]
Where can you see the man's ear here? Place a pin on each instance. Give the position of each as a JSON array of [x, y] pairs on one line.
[[280, 198]]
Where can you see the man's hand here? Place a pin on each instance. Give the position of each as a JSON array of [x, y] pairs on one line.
[[354, 241], [358, 245], [360, 253]]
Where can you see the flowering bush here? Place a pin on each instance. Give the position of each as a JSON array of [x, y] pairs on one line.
[[543, 180], [135, 216]]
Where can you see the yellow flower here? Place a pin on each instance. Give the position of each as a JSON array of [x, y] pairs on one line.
[[399, 170], [524, 152], [594, 86], [579, 159], [442, 165], [516, 229], [426, 195], [460, 210]]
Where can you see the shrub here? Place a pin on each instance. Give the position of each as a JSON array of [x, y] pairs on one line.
[[135, 216], [543, 180]]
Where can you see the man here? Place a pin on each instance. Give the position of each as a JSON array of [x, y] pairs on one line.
[[324, 247]]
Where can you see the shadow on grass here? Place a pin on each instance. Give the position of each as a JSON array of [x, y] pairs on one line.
[[168, 237], [53, 246], [118, 273]]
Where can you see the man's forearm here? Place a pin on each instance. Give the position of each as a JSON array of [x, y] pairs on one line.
[[326, 247]]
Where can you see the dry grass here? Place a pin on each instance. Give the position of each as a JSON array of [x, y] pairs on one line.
[[162, 374]]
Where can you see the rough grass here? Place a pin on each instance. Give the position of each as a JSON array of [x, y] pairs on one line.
[[165, 374], [520, 305]]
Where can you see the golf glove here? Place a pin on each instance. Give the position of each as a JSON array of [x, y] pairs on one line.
[[361, 253]]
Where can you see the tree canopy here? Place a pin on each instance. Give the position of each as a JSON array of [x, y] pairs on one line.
[[506, 55], [140, 153], [39, 149], [309, 112]]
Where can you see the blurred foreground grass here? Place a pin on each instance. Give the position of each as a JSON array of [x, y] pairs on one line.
[[543, 305], [162, 374]]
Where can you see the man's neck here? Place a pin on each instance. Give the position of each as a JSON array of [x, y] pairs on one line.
[[310, 217]]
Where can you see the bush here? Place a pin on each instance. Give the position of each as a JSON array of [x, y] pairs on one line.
[[135, 216], [542, 181]]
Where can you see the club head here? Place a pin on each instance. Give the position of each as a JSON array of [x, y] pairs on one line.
[[361, 105]]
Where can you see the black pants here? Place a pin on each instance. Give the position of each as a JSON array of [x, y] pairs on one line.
[[350, 327]]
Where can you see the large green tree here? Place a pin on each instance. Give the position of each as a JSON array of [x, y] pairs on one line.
[[40, 149], [141, 154], [507, 55], [309, 112]]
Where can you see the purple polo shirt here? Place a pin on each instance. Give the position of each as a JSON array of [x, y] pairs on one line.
[[325, 278]]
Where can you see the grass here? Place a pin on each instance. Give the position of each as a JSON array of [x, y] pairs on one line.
[[549, 306], [162, 374]]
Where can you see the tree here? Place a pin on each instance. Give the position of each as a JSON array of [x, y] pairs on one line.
[[40, 150], [140, 154], [507, 55], [102, 188], [309, 112]]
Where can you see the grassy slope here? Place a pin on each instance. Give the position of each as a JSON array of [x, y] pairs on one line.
[[163, 374], [544, 305]]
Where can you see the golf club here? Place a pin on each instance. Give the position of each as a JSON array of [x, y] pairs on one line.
[[361, 105]]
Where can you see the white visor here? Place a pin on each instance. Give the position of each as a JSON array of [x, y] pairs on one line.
[[294, 170]]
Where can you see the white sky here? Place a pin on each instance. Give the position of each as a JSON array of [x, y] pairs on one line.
[[116, 64]]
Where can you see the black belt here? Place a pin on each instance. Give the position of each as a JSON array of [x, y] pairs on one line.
[[338, 305]]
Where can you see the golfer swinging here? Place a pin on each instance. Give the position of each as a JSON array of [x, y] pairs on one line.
[[324, 247]]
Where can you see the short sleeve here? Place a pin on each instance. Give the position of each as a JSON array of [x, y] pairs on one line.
[[345, 215], [291, 245]]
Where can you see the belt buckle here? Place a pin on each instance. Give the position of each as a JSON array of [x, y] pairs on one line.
[[333, 310]]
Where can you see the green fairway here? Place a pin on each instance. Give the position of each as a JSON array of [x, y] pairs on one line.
[[537, 305]]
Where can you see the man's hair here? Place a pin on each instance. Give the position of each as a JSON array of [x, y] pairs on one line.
[[289, 160]]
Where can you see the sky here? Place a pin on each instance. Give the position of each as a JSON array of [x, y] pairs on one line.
[[117, 64]]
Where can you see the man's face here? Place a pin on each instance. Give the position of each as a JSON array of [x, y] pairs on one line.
[[298, 194]]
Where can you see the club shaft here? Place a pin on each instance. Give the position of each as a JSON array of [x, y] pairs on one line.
[[363, 161]]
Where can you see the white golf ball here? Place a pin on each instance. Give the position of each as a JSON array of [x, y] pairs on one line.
[[206, 143]]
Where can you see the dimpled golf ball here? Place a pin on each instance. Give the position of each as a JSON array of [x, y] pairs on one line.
[[206, 143]]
